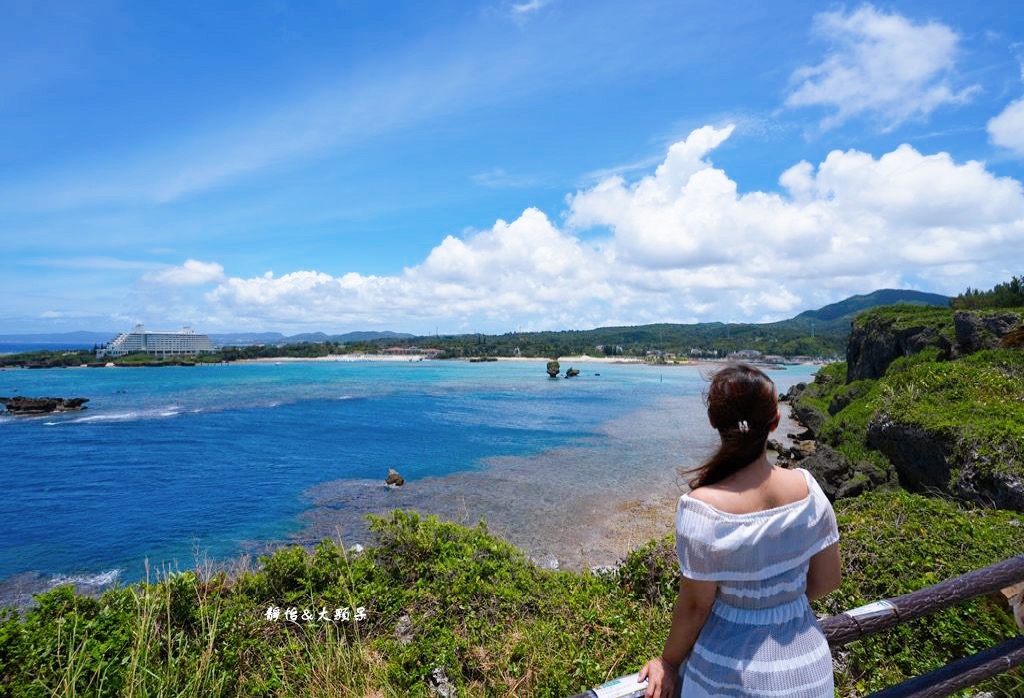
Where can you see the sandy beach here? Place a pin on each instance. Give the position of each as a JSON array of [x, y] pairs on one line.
[[580, 359], [334, 357], [564, 361], [409, 358]]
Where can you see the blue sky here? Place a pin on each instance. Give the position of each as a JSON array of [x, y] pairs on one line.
[[499, 166]]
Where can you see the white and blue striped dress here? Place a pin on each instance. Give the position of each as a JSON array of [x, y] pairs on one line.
[[761, 637]]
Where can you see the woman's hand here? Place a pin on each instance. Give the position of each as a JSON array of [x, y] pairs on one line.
[[661, 678]]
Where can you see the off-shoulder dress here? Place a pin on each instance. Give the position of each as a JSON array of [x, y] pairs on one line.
[[761, 637]]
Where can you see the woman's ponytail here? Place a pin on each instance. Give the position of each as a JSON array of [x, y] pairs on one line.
[[742, 405]]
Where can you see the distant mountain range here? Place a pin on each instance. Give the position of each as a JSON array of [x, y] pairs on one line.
[[246, 338], [833, 317], [846, 309]]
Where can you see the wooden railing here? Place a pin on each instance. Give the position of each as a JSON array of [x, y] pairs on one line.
[[866, 620]]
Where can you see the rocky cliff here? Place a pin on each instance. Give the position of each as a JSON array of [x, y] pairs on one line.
[[927, 400], [933, 461], [977, 330], [877, 338], [880, 336]]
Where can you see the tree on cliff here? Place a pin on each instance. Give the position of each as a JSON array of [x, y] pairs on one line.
[[1005, 295]]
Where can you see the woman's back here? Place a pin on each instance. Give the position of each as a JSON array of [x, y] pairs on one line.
[[761, 636], [755, 542]]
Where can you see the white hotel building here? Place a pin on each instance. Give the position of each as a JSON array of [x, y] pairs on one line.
[[139, 340]]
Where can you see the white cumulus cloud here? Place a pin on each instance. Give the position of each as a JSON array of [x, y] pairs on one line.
[[521, 271], [854, 216], [682, 244], [191, 273], [881, 65], [1007, 129]]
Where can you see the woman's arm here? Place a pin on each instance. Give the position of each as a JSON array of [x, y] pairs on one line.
[[824, 572], [693, 604]]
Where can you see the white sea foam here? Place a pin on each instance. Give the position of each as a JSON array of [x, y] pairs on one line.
[[100, 579], [115, 417], [165, 412]]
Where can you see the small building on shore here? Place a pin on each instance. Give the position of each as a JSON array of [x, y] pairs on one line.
[[184, 342]]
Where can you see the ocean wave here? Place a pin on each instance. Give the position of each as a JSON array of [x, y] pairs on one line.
[[100, 579], [115, 417], [164, 412]]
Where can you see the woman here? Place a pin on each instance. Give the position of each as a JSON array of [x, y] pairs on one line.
[[755, 543]]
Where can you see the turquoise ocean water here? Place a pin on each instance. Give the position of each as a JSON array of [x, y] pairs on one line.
[[172, 465]]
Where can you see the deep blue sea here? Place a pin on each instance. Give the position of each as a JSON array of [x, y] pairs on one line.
[[179, 464]]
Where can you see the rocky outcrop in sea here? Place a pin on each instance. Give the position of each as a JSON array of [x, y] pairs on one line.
[[42, 405]]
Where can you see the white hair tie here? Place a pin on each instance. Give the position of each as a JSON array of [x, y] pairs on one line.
[[743, 426]]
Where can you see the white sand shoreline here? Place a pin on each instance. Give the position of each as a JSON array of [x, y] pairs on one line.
[[567, 361], [412, 358], [350, 358]]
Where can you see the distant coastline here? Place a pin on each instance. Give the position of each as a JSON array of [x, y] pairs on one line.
[[568, 361], [412, 358]]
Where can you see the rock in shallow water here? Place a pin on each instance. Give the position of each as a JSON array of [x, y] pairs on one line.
[[42, 405]]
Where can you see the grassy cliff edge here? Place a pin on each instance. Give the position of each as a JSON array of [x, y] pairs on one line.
[[446, 607]]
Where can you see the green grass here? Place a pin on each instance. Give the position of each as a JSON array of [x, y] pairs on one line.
[[438, 596], [974, 402], [894, 543], [827, 383], [904, 316], [846, 431], [492, 621]]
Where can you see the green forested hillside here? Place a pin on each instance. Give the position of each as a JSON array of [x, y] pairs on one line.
[[846, 309]]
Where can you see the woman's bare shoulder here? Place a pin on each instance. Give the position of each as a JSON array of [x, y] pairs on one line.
[[791, 484], [781, 488], [714, 495]]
